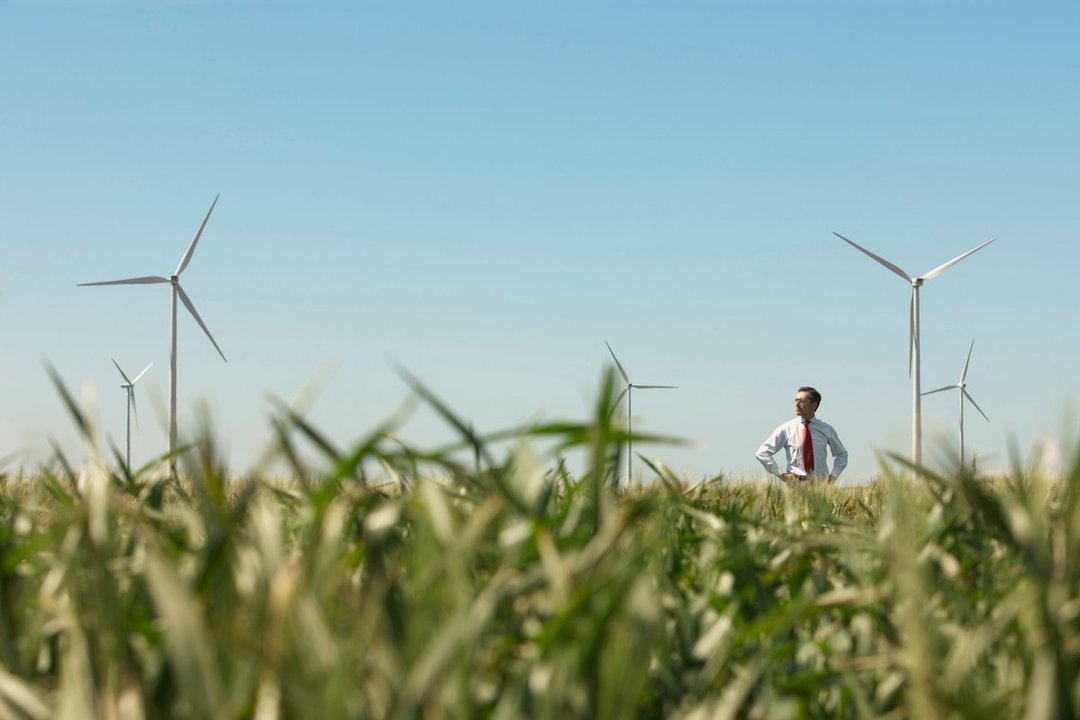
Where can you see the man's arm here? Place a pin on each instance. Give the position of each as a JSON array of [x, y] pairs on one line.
[[839, 454], [769, 448]]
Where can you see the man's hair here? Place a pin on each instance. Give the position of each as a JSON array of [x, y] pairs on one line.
[[814, 394]]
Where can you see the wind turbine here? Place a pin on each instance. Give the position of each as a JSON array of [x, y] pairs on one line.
[[129, 385], [628, 392], [913, 336], [175, 291], [962, 387]]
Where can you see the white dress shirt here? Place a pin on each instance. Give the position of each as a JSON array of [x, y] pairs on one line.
[[789, 438]]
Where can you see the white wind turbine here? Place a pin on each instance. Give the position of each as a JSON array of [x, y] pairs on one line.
[[628, 392], [175, 291], [129, 385], [913, 337], [962, 387]]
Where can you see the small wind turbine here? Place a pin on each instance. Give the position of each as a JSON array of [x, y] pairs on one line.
[[129, 385], [175, 291], [962, 387], [628, 392], [913, 336]]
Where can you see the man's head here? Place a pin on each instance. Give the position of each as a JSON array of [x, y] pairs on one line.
[[807, 400]]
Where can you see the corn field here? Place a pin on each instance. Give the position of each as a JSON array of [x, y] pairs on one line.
[[484, 579]]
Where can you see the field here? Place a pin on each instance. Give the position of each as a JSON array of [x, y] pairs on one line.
[[484, 580]]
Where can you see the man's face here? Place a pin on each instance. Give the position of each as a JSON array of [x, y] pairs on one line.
[[805, 407]]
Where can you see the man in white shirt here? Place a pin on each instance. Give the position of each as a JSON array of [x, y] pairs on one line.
[[806, 441]]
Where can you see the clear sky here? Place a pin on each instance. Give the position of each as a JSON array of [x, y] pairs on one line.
[[484, 193]]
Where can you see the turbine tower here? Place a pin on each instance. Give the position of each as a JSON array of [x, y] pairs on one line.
[[628, 392], [129, 386], [913, 335], [962, 387], [175, 291]]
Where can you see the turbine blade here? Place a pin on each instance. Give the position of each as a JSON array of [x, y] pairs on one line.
[[942, 268], [940, 389], [137, 377], [191, 308], [656, 387], [615, 405], [147, 280], [881, 260], [622, 371], [195, 241], [972, 401], [134, 407], [122, 373], [963, 377]]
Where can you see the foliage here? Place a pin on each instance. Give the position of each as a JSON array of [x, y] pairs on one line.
[[466, 581]]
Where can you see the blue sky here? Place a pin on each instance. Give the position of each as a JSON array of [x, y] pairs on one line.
[[485, 192]]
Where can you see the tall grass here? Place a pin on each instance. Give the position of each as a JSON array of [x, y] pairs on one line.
[[483, 579]]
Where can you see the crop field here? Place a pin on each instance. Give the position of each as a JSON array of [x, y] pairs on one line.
[[483, 579]]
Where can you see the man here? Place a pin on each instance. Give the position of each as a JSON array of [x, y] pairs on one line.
[[806, 459]]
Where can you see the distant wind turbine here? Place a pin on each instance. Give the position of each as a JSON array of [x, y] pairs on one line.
[[175, 291], [628, 392], [913, 336], [129, 385], [962, 387]]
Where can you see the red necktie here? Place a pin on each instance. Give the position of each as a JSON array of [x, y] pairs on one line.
[[807, 448]]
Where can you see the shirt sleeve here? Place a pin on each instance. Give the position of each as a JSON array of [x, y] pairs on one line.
[[839, 454], [769, 448]]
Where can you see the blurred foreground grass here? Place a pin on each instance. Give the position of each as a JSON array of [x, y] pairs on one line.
[[475, 582]]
